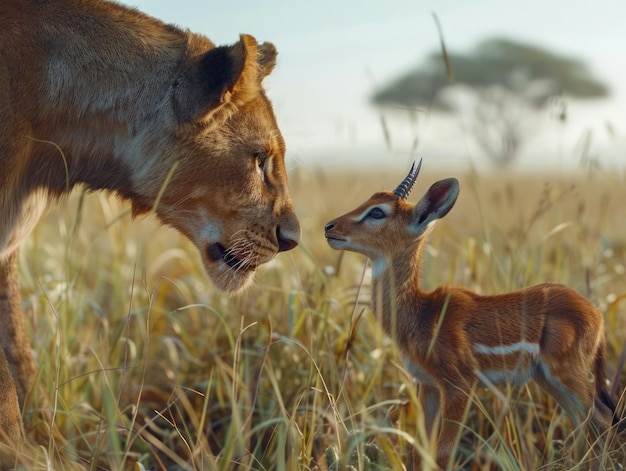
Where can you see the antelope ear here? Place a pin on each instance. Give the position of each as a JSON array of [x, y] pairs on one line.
[[222, 75], [435, 204]]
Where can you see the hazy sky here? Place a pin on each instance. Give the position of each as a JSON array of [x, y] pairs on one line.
[[333, 53]]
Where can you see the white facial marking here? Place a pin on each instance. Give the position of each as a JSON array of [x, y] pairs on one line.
[[385, 207], [211, 230]]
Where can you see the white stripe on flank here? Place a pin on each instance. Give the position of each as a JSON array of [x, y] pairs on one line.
[[527, 347], [516, 377]]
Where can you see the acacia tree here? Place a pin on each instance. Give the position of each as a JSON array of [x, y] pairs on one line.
[[504, 83]]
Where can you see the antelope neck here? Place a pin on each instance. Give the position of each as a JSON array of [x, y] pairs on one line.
[[395, 287]]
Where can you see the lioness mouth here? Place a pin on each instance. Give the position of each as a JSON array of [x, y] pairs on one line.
[[218, 252]]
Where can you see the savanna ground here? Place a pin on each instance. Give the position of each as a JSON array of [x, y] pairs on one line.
[[147, 366]]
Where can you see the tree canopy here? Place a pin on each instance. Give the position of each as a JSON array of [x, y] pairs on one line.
[[521, 68]]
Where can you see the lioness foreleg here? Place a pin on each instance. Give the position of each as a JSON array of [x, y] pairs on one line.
[[17, 367], [11, 433]]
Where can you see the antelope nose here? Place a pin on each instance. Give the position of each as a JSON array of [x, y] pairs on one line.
[[329, 226], [286, 239]]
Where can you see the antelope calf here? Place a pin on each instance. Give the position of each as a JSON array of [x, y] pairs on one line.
[[452, 337]]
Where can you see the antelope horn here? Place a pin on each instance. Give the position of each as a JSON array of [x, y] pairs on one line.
[[405, 187]]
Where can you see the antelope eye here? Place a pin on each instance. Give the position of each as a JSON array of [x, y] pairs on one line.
[[376, 213]]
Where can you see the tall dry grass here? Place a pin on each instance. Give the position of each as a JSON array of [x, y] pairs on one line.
[[149, 367]]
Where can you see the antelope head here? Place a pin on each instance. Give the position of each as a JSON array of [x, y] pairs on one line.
[[387, 222]]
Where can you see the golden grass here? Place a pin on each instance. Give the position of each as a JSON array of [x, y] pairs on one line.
[[149, 367]]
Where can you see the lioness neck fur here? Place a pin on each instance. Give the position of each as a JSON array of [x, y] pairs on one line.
[[95, 93]]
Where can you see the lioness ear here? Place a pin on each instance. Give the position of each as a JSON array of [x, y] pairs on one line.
[[267, 58], [224, 74]]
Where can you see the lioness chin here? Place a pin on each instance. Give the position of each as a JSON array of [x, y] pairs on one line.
[[95, 93]]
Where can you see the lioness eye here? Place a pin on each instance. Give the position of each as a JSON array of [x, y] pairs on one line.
[[261, 159], [376, 213]]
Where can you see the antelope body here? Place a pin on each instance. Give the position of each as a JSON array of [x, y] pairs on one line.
[[452, 338]]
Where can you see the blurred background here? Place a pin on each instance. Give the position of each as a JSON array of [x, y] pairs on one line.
[[537, 85]]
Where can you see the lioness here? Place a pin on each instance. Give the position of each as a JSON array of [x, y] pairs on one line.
[[96, 93]]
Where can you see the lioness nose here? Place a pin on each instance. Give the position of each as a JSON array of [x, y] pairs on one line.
[[287, 240]]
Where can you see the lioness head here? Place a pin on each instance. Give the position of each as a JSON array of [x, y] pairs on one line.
[[220, 176]]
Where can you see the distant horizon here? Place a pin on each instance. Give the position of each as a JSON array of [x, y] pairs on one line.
[[445, 142], [333, 54]]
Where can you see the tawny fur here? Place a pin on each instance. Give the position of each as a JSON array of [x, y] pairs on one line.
[[98, 94], [453, 338]]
